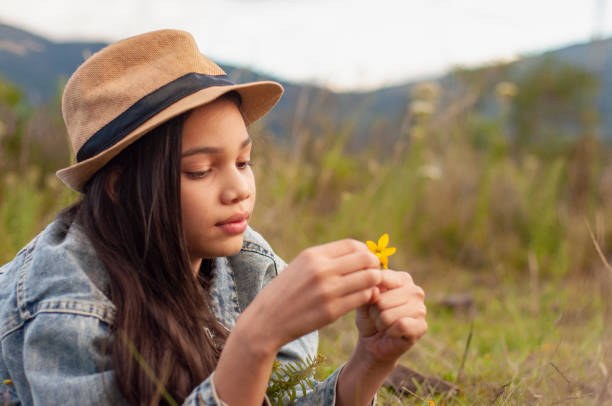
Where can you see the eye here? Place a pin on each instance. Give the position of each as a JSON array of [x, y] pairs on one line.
[[197, 175], [243, 164]]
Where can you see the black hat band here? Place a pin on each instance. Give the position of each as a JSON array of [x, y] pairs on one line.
[[145, 108]]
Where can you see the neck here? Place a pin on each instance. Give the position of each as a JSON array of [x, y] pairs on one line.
[[195, 265]]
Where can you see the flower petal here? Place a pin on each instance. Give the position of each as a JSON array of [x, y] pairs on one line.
[[383, 241], [371, 246], [388, 251], [384, 261]]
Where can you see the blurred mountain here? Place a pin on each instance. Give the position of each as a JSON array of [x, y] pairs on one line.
[[594, 57], [40, 67]]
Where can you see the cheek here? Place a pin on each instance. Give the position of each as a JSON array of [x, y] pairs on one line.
[[193, 207], [186, 203]]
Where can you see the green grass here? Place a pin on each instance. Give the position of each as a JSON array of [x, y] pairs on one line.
[[527, 347]]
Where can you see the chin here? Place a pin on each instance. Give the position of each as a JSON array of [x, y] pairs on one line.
[[231, 246]]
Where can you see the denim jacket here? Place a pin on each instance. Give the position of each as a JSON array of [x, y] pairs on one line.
[[54, 319]]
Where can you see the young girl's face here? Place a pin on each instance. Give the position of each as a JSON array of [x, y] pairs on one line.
[[217, 184]]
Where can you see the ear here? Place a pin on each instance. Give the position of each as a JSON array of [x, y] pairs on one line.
[[111, 182]]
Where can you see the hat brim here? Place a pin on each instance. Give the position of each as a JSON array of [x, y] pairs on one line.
[[257, 98]]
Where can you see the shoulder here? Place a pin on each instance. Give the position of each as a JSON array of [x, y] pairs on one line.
[[255, 245], [57, 272], [254, 266], [255, 242]]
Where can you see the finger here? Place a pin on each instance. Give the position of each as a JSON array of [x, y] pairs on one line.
[[356, 281], [375, 295], [352, 301], [409, 328], [388, 318], [364, 322], [339, 248], [396, 279], [399, 296], [352, 262]]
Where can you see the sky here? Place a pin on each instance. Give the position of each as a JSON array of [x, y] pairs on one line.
[[341, 44]]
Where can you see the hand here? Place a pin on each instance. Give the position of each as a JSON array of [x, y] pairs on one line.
[[393, 320], [320, 285]]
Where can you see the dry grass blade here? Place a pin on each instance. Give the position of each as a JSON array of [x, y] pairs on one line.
[[161, 389], [500, 392], [569, 383], [606, 287], [597, 247], [465, 351]]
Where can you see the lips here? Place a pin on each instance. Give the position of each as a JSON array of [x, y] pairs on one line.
[[236, 218], [235, 224]]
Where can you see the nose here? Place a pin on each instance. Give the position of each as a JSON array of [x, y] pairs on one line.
[[237, 188]]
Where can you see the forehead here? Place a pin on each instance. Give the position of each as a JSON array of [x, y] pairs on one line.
[[218, 124]]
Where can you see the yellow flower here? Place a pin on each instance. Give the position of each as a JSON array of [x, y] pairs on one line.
[[381, 250], [7, 382], [432, 403]]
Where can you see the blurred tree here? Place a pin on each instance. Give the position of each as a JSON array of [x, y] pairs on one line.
[[555, 100], [14, 113]]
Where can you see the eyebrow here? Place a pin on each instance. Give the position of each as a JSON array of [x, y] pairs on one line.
[[212, 150]]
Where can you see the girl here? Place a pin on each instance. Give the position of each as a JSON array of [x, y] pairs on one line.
[[153, 289]]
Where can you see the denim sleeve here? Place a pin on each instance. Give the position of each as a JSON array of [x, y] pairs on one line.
[[64, 364], [57, 358]]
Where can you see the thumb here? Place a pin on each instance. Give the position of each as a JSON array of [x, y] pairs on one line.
[[365, 324], [363, 311]]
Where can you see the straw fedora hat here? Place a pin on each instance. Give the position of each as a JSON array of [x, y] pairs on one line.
[[132, 86]]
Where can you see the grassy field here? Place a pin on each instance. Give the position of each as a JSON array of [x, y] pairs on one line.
[[525, 347], [475, 209], [499, 231]]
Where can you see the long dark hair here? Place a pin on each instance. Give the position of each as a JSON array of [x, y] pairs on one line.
[[162, 306]]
